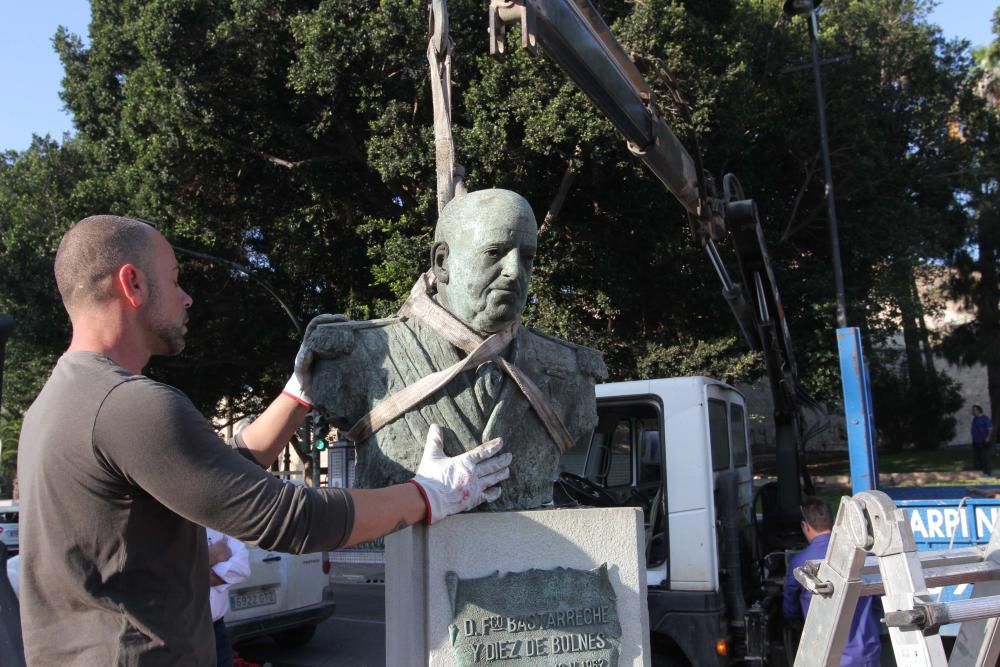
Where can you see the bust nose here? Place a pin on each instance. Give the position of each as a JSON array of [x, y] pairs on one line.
[[512, 264]]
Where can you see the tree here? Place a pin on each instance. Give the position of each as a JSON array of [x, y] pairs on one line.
[[976, 264]]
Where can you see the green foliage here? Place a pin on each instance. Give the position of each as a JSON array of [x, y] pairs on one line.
[[918, 412], [724, 359], [39, 200], [40, 197]]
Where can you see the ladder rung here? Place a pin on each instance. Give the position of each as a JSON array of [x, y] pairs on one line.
[[928, 559], [936, 558], [930, 615], [948, 575]]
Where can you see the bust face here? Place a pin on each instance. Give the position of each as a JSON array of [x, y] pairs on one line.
[[483, 257]]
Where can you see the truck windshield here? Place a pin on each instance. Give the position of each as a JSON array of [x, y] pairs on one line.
[[625, 450]]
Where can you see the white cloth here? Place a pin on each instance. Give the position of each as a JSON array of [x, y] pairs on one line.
[[231, 571]]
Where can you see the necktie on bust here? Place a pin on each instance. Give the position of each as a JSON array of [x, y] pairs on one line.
[[489, 378]]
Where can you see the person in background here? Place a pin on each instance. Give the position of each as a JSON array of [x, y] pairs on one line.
[[863, 648], [982, 441], [229, 561]]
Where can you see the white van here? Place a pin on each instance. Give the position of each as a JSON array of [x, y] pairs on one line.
[[9, 525]]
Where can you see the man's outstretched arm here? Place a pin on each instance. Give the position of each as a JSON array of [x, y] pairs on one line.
[[267, 435], [378, 512]]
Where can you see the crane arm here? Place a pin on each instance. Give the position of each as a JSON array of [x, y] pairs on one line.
[[575, 36]]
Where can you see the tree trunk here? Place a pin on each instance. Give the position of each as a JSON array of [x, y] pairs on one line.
[[988, 306], [911, 313]]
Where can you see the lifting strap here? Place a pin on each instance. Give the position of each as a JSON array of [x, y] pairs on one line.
[[449, 174]]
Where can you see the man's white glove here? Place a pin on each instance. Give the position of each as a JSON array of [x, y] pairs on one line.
[[298, 386], [453, 484]]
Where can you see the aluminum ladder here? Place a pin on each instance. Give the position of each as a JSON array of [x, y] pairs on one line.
[[871, 522]]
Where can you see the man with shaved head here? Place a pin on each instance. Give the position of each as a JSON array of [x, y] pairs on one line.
[[118, 473], [457, 355]]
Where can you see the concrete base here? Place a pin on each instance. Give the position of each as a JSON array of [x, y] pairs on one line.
[[418, 608]]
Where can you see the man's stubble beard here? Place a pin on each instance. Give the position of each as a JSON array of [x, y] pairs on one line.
[[168, 333]]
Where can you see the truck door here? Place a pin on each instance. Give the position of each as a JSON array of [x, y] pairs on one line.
[[622, 466]]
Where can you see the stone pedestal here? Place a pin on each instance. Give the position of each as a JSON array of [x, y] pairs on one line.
[[529, 588]]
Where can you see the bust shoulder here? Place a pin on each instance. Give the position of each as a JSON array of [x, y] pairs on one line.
[[337, 339]]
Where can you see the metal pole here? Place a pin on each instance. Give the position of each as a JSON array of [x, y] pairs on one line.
[[305, 433], [831, 206], [6, 326], [316, 454]]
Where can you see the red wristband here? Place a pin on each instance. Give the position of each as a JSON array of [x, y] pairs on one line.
[[298, 400], [427, 502]]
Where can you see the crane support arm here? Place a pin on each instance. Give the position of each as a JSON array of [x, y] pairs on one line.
[[575, 36]]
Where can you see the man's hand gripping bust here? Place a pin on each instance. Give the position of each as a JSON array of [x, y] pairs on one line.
[[447, 484], [451, 485]]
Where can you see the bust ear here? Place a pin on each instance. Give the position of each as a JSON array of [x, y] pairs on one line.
[[439, 261]]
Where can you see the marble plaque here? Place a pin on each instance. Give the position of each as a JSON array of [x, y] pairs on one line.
[[561, 617]]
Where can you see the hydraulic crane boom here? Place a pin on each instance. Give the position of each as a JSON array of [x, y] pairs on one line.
[[575, 36]]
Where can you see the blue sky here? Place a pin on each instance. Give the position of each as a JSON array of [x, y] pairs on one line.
[[30, 72]]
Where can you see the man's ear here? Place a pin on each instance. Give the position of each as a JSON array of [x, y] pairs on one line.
[[439, 262], [130, 284]]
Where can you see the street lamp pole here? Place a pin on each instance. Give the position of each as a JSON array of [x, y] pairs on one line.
[[831, 203], [858, 407], [808, 7]]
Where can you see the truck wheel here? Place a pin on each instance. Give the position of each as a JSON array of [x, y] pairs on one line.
[[295, 637]]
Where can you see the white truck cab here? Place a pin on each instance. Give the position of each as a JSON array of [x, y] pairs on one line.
[[679, 449]]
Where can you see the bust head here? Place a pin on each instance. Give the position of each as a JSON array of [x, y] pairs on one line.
[[483, 253]]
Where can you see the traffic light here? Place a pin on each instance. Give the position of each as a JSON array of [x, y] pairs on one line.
[[320, 430]]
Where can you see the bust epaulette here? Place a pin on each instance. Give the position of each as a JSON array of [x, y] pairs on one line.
[[589, 360], [336, 339]]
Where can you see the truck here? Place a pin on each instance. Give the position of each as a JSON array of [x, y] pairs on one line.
[[679, 449]]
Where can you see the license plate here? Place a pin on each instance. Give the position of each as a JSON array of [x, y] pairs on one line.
[[259, 598]]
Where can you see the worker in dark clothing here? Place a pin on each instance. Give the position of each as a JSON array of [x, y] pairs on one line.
[[982, 441], [117, 471], [863, 648]]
